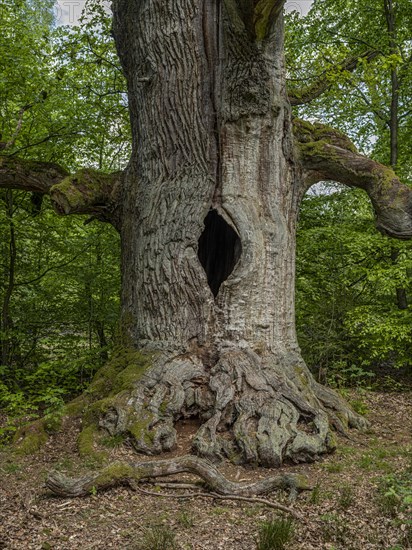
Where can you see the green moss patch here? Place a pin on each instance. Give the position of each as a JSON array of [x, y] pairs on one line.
[[30, 438], [86, 444], [116, 472], [141, 428], [124, 369]]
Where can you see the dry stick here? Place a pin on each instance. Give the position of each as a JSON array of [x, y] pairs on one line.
[[253, 500], [13, 138], [175, 485]]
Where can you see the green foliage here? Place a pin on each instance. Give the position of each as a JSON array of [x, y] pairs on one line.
[[395, 494], [315, 496], [59, 290], [349, 325], [275, 534], [359, 102], [395, 500], [346, 497], [186, 518], [350, 320]]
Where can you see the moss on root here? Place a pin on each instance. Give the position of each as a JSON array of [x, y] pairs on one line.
[[86, 444], [124, 369], [141, 428], [118, 471], [109, 385], [30, 438]]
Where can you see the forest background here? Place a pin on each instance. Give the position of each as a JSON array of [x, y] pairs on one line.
[[63, 99]]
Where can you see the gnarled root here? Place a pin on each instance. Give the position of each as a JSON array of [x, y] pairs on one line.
[[120, 473], [253, 409]]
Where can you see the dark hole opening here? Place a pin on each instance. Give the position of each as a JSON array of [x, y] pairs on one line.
[[219, 250]]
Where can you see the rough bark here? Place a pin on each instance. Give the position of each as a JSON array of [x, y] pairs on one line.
[[401, 296], [218, 166], [86, 192]]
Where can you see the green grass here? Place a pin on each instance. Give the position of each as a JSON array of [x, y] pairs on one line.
[[346, 497], [275, 534], [186, 518], [315, 496], [157, 537], [372, 462], [334, 467]]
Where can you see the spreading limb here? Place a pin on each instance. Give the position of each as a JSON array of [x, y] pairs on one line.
[[327, 154], [322, 84], [86, 192], [120, 473]]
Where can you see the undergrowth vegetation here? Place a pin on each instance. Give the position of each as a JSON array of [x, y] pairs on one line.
[[275, 534]]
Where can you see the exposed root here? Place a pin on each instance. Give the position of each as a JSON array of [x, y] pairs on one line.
[[253, 409], [341, 416], [120, 473], [261, 410]]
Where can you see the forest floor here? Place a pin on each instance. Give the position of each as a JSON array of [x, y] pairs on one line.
[[351, 507]]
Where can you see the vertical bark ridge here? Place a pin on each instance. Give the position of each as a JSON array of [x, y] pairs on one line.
[[258, 192], [175, 143]]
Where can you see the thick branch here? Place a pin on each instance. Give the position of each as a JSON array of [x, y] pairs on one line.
[[120, 473], [328, 154], [309, 93], [28, 175], [86, 192]]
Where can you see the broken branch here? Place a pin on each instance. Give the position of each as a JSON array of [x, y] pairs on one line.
[[86, 192]]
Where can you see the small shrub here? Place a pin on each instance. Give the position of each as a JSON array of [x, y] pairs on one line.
[[113, 441], [275, 534], [395, 494], [186, 519], [359, 406]]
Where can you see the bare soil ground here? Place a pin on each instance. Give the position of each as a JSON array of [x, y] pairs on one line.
[[344, 511]]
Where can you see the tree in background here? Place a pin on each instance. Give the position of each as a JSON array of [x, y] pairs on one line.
[[58, 280], [207, 210], [372, 102]]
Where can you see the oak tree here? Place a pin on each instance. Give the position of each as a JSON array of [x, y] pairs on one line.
[[207, 210]]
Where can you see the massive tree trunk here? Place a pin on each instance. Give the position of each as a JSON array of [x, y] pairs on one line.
[[207, 212]]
